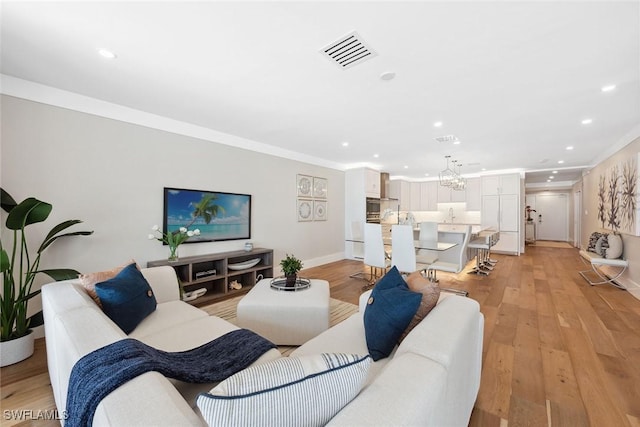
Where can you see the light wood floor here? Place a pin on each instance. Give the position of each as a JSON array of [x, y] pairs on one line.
[[557, 352]]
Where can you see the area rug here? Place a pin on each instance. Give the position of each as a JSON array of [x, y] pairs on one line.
[[551, 244], [226, 310]]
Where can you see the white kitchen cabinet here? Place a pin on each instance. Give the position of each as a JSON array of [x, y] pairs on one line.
[[501, 184], [448, 195], [416, 197], [401, 190], [372, 183], [501, 213], [474, 194], [508, 243], [429, 196], [359, 184]]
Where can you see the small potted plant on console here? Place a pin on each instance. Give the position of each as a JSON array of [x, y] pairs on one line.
[[290, 266]]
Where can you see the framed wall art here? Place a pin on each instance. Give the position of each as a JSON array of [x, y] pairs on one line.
[[319, 210], [305, 210], [319, 187], [304, 184], [619, 198]]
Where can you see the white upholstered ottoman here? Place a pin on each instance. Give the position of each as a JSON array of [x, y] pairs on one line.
[[285, 317]]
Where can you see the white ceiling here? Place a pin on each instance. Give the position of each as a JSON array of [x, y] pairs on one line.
[[512, 80]]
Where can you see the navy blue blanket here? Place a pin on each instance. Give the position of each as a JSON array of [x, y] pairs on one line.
[[100, 372]]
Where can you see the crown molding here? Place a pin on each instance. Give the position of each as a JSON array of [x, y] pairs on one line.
[[44, 94]]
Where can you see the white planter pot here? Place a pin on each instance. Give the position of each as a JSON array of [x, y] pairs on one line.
[[16, 350]]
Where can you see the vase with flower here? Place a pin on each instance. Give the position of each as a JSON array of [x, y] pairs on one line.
[[173, 239]]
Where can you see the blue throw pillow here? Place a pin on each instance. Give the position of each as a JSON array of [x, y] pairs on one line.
[[127, 298], [389, 311]]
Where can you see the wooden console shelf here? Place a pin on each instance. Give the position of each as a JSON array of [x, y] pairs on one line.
[[212, 271]]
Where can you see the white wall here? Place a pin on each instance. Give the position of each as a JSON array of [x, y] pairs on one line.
[[111, 175]]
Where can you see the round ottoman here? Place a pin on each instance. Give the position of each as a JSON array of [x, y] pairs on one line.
[[284, 317]]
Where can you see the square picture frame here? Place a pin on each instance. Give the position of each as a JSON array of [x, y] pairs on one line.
[[304, 209], [320, 187], [319, 210], [304, 185]]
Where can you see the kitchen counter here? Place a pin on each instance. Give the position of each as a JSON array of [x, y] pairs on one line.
[[458, 228]]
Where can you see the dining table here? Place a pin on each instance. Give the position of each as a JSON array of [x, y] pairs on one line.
[[432, 245]]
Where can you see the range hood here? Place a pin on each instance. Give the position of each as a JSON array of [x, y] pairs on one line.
[[384, 186]]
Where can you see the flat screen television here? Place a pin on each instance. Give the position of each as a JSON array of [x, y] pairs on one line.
[[218, 216]]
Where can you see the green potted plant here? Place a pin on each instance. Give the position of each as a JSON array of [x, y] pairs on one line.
[[290, 266], [19, 267]]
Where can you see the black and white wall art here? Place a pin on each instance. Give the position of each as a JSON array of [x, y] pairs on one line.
[[618, 197]]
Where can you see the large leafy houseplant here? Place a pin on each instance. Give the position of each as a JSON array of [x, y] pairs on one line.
[[20, 266]]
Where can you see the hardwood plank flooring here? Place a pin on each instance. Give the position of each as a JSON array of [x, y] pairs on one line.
[[557, 352]]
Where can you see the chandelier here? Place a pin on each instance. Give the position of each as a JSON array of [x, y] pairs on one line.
[[452, 179]]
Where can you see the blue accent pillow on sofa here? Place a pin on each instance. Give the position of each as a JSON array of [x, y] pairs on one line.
[[389, 311], [127, 298]]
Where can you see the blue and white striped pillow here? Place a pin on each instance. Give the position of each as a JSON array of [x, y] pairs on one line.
[[290, 391]]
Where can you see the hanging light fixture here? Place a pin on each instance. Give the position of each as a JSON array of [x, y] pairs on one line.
[[452, 178], [447, 176], [460, 183]]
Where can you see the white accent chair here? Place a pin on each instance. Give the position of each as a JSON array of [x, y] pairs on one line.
[[374, 254], [429, 232], [403, 251], [451, 267], [597, 262]]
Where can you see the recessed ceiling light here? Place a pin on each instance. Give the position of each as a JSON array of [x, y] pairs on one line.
[[406, 167], [608, 88], [560, 161], [551, 176], [456, 142], [345, 144], [426, 174], [484, 169], [105, 53], [387, 75], [587, 121], [376, 155], [548, 180], [554, 172], [437, 124], [570, 147]]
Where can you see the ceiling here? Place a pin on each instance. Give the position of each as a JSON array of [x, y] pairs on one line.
[[511, 80]]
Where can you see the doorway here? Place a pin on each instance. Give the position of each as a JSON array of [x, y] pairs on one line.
[[551, 216]]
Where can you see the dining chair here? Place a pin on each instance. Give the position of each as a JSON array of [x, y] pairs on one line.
[[428, 231], [403, 251], [374, 254], [451, 267]]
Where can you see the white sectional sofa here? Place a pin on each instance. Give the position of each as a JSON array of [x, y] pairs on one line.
[[432, 378], [75, 326]]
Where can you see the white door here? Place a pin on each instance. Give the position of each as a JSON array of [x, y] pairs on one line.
[[552, 217]]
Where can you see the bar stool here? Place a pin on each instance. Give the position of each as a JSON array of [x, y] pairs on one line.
[[481, 245]]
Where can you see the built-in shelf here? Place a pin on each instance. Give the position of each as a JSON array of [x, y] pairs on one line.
[[212, 272]]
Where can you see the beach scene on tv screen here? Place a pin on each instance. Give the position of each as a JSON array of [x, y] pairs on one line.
[[218, 216]]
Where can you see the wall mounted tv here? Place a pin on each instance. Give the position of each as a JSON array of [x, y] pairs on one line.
[[218, 216]]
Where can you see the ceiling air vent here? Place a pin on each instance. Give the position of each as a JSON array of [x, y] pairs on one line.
[[348, 51], [447, 138]]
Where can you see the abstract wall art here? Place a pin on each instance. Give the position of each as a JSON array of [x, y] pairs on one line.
[[618, 197]]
